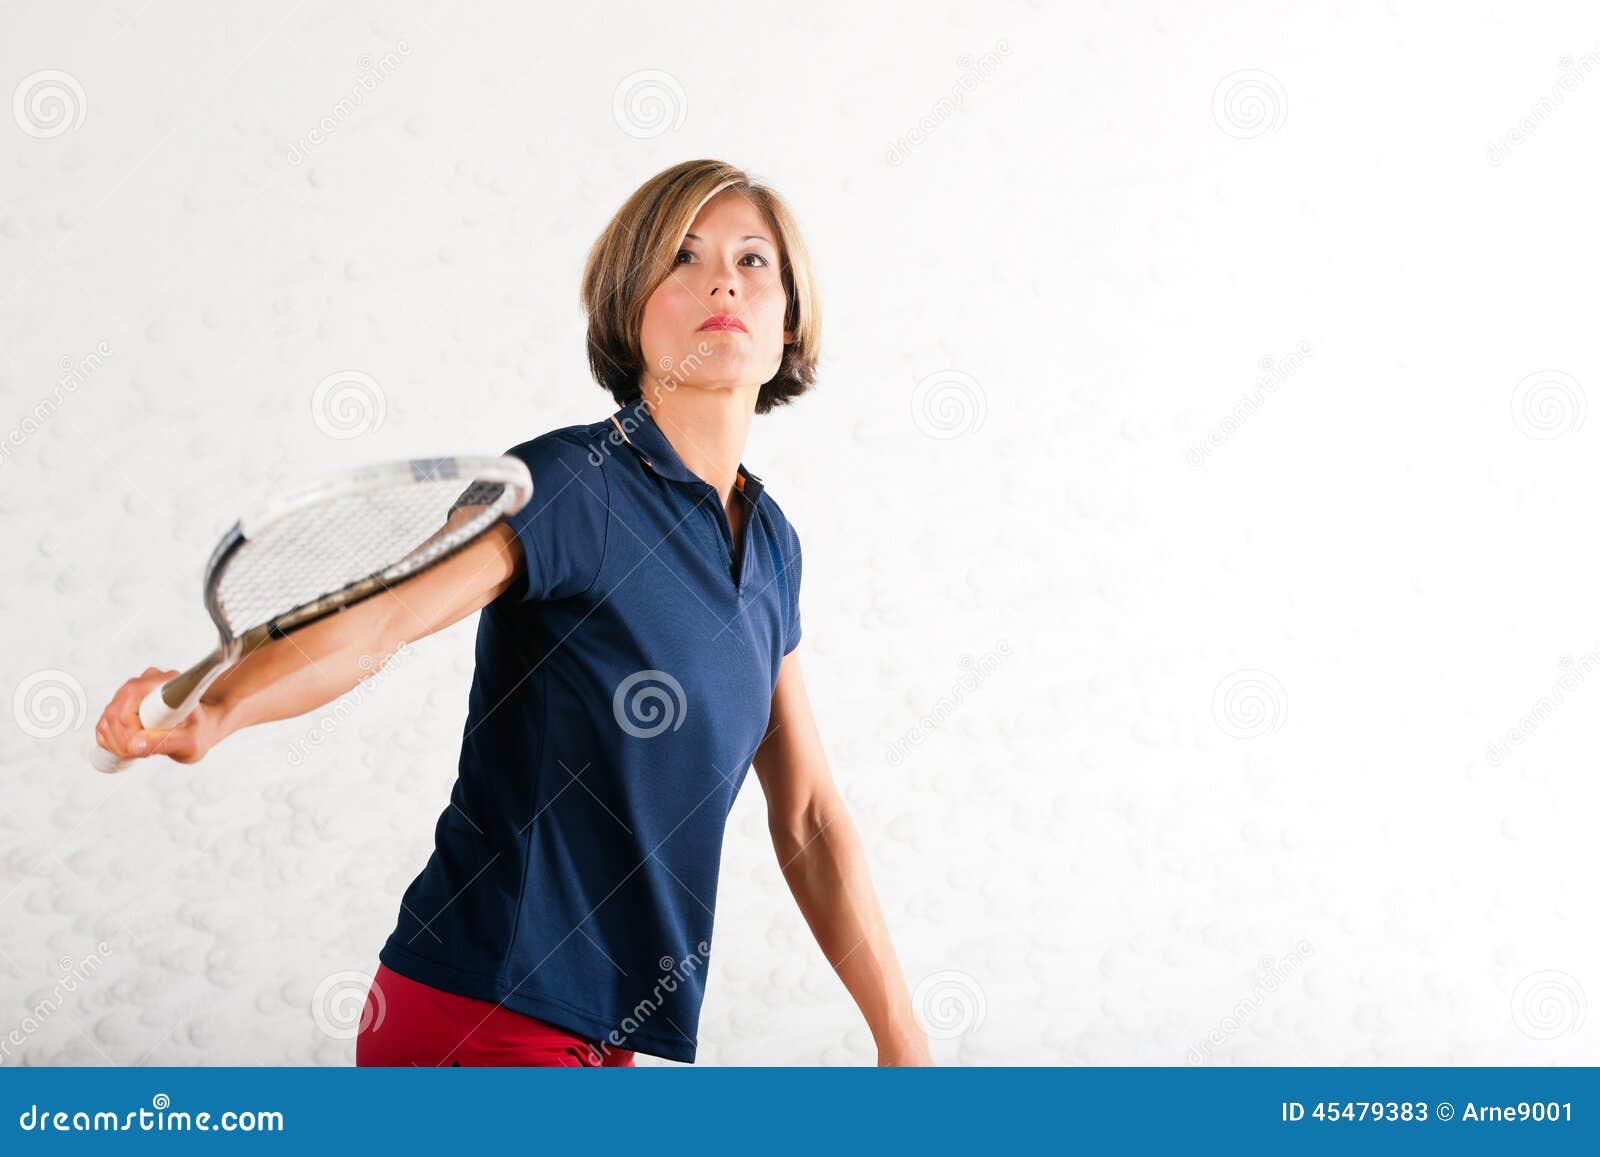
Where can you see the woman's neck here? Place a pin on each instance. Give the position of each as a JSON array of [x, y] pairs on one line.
[[707, 428]]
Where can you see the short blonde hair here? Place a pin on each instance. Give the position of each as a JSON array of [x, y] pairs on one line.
[[636, 252]]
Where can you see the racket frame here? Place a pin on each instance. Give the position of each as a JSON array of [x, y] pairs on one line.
[[170, 704]]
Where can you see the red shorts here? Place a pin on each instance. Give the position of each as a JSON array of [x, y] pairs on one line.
[[407, 1023]]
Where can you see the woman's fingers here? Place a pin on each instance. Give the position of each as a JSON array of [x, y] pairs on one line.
[[120, 730], [124, 705], [108, 732], [117, 714]]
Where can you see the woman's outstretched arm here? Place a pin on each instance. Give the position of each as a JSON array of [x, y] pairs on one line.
[[318, 663], [820, 854]]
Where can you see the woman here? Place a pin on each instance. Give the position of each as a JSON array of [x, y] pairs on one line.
[[635, 655]]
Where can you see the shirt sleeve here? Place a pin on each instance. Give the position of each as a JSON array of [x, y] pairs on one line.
[[562, 528], [792, 639]]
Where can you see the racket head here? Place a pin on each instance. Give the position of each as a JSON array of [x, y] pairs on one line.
[[336, 541], [314, 550]]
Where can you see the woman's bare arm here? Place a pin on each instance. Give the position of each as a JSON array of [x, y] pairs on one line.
[[318, 663], [820, 854]]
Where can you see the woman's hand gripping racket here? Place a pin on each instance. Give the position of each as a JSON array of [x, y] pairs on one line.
[[313, 552]]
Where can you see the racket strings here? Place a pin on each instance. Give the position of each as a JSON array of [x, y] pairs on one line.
[[328, 547]]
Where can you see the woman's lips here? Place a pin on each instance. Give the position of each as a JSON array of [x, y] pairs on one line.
[[724, 321]]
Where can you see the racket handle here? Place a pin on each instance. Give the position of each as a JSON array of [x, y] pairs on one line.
[[102, 760], [154, 715]]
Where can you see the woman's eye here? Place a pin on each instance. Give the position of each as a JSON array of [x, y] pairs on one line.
[[683, 253]]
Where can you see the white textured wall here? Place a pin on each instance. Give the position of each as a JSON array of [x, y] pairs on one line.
[[1226, 769]]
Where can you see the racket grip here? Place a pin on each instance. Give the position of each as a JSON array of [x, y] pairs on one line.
[[104, 761], [154, 715]]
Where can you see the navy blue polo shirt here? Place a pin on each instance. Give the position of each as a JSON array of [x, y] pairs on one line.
[[620, 691]]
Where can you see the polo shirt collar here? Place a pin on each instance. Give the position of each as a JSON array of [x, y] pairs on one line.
[[638, 428]]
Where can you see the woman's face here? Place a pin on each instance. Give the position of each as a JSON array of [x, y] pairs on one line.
[[727, 264]]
